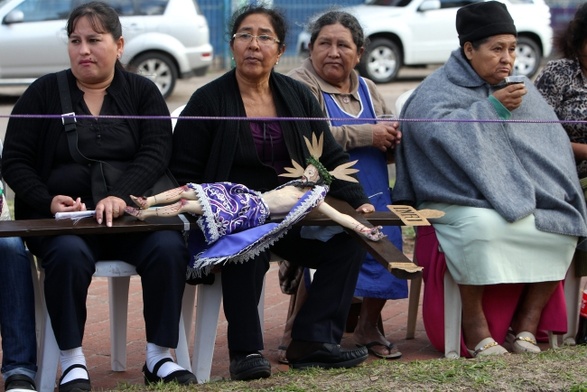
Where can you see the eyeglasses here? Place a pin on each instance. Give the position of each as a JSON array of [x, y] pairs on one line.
[[262, 39]]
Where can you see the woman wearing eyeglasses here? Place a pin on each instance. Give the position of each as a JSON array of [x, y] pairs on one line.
[[247, 142]]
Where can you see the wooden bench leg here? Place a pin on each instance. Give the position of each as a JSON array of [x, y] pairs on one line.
[[413, 304]]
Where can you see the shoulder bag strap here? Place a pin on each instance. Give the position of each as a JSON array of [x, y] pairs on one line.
[[68, 118]]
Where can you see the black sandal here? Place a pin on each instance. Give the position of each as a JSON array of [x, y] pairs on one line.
[[182, 377], [19, 382], [75, 385]]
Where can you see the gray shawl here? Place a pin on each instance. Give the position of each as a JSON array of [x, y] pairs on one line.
[[517, 169]]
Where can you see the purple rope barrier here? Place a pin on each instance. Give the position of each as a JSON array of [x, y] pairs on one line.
[[361, 120]]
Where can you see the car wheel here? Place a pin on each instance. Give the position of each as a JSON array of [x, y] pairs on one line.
[[528, 57], [158, 67], [381, 61]]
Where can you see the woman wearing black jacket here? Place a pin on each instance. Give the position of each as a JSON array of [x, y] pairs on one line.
[[242, 140]]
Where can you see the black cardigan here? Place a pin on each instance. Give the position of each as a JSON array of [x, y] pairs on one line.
[[204, 149], [31, 143]]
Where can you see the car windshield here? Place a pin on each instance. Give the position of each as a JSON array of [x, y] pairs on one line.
[[394, 3]]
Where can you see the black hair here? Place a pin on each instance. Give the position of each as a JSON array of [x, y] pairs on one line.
[[276, 18], [569, 42], [102, 18], [345, 19]]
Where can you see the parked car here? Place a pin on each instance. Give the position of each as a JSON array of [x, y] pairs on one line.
[[164, 39], [423, 32]]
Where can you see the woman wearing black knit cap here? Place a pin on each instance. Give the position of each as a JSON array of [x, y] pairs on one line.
[[514, 209]]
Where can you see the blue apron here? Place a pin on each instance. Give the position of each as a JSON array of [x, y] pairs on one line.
[[374, 280]]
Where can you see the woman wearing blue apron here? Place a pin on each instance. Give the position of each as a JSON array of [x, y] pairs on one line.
[[374, 282], [352, 105]]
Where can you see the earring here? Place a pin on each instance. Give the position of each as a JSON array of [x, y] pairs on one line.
[[277, 62]]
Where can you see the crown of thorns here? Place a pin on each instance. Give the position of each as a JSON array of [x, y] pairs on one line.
[[341, 172]]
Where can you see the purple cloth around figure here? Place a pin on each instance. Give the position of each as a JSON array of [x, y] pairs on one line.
[[228, 208], [242, 245]]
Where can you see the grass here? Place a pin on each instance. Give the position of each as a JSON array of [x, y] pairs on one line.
[[562, 369]]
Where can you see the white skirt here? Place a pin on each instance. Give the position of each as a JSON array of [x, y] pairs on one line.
[[482, 248]]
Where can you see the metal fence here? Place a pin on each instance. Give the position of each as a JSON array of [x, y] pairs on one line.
[[297, 13], [561, 12]]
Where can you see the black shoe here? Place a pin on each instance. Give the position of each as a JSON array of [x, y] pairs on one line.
[[76, 385], [302, 355], [182, 377], [19, 383], [249, 367]]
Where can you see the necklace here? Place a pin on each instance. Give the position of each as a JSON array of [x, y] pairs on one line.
[[346, 99]]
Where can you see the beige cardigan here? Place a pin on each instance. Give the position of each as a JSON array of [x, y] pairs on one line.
[[352, 135]]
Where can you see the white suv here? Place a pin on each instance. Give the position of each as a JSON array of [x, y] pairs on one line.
[[164, 39], [423, 32]]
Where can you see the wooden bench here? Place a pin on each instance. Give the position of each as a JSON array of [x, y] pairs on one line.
[[383, 251]]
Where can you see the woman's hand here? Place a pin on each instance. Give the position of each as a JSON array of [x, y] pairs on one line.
[[386, 135], [366, 208], [511, 96], [580, 151], [109, 208], [61, 203]]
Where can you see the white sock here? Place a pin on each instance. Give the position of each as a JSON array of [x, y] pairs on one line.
[[73, 357], [155, 354]]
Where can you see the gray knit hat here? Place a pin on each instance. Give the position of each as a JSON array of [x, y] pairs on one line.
[[484, 19]]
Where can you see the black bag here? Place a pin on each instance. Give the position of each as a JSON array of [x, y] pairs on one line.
[[103, 174]]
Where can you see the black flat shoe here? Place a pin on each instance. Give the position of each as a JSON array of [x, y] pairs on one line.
[[249, 367], [19, 383], [182, 377], [75, 385], [302, 355]]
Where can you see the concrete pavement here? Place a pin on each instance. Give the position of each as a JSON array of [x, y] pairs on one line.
[[97, 348]]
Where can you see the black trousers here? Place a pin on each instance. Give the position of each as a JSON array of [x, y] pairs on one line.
[[322, 317], [160, 258]]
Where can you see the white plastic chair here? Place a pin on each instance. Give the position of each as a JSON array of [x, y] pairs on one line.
[[453, 309], [207, 306], [118, 274]]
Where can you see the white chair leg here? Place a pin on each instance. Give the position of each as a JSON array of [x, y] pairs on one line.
[[208, 302], [118, 300], [573, 300], [207, 311], [572, 291], [185, 327], [48, 351], [452, 318]]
